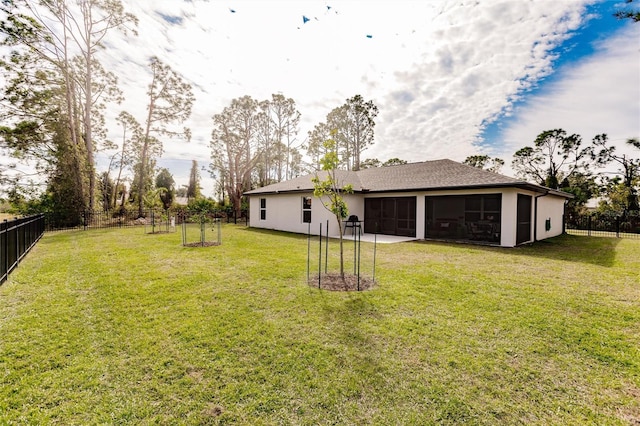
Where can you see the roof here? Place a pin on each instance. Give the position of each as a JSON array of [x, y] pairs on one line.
[[427, 175]]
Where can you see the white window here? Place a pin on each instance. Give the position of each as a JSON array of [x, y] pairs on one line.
[[306, 209], [263, 209]]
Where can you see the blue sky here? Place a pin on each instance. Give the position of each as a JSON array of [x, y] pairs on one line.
[[451, 78], [582, 44]]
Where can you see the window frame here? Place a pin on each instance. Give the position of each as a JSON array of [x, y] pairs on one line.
[[306, 209], [263, 209]]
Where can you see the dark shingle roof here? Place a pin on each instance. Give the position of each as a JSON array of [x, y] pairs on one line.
[[427, 175], [304, 183]]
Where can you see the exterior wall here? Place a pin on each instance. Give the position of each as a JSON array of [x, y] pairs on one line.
[[508, 223], [284, 213], [550, 208], [355, 203]]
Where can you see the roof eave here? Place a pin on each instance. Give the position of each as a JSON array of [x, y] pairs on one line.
[[286, 191], [522, 185]]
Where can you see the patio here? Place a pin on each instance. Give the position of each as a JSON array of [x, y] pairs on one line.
[[379, 238]]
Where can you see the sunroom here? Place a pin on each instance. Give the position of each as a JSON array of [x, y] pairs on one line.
[[464, 217]]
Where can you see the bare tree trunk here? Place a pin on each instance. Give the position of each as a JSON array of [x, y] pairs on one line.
[[143, 158], [88, 102], [71, 109], [117, 183]]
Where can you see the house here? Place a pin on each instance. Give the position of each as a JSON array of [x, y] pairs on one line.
[[441, 199]]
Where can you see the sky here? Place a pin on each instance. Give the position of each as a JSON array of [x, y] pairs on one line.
[[450, 78]]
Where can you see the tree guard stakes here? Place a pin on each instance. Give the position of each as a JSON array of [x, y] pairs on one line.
[[160, 223], [356, 249], [320, 258], [198, 226], [328, 281]]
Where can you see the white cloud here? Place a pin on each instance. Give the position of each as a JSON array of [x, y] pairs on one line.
[[437, 70], [600, 94], [479, 61]]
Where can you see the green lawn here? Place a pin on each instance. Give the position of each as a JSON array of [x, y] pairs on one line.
[[120, 327]]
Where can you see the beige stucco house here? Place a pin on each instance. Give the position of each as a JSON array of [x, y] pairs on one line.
[[442, 199]]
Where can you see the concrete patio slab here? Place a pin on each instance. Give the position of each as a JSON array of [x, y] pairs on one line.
[[379, 238]]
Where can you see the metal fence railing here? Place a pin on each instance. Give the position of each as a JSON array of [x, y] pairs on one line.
[[156, 219], [17, 237], [621, 226], [90, 219]]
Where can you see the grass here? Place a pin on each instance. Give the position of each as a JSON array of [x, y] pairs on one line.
[[120, 327]]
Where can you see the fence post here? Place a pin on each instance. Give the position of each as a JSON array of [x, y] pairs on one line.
[[17, 237], [589, 225], [16, 249], [320, 257], [326, 250], [308, 251], [617, 226], [5, 249]]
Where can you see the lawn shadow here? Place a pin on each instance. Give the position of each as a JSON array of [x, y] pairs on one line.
[[599, 251], [349, 318], [279, 234], [573, 248]]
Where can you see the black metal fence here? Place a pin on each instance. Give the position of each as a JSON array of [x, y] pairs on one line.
[[157, 219], [607, 225], [17, 237], [100, 219]]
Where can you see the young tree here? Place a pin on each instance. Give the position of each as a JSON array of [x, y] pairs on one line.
[[484, 162], [330, 191], [193, 190], [170, 101]]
